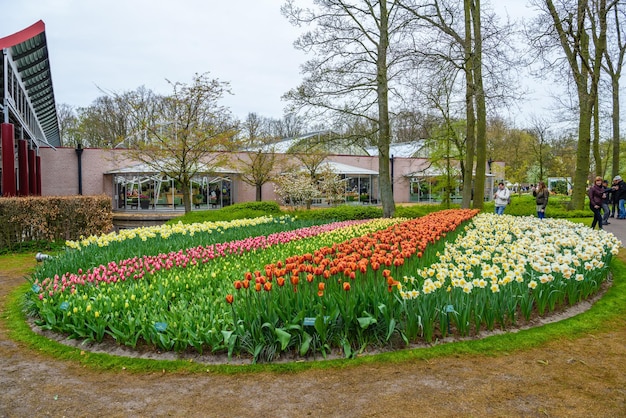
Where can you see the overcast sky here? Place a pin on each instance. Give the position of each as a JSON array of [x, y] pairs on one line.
[[120, 45]]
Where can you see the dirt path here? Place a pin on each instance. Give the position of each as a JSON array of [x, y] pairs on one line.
[[581, 378]]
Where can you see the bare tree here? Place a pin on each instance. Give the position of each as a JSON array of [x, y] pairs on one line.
[[452, 37], [353, 65], [258, 160], [614, 60], [290, 126], [576, 28], [540, 130], [445, 140], [185, 133], [68, 123]]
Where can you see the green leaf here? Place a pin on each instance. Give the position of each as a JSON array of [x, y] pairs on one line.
[[321, 327], [226, 334], [392, 327], [283, 337], [347, 349], [306, 343], [366, 321]]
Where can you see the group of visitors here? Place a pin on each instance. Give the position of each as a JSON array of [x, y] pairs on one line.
[[604, 201], [502, 198], [607, 201]]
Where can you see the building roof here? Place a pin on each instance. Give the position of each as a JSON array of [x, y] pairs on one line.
[[28, 85], [145, 169], [334, 146], [348, 170], [401, 149]]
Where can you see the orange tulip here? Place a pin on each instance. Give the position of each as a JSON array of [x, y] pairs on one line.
[[321, 286], [238, 284], [229, 299], [346, 286], [280, 281]]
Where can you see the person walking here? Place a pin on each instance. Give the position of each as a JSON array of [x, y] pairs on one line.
[[606, 201], [619, 193], [596, 193], [541, 194], [501, 198]]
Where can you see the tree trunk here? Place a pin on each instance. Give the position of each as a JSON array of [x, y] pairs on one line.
[[615, 118], [186, 197], [258, 192], [481, 111], [587, 97], [384, 133], [596, 139], [581, 175], [469, 111]]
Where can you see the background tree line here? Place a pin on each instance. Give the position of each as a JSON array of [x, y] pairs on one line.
[[441, 71]]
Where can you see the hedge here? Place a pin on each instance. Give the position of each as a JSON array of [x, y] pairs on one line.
[[24, 220]]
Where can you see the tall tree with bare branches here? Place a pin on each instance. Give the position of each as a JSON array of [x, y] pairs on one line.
[[614, 61], [254, 151], [573, 34], [357, 55], [452, 36], [184, 133]]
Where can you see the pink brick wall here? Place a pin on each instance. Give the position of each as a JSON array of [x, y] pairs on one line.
[[59, 173]]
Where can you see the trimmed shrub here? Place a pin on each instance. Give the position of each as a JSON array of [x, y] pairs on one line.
[[229, 213], [52, 219]]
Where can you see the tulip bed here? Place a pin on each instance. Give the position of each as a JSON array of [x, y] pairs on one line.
[[269, 287]]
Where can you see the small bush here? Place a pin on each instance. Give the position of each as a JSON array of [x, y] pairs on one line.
[[416, 211], [340, 213], [229, 213]]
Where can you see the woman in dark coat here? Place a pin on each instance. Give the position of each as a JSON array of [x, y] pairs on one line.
[[541, 194], [596, 193]]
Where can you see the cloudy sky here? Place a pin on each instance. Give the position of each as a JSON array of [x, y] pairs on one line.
[[120, 45]]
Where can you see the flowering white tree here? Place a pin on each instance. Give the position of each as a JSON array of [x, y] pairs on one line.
[[331, 186], [296, 188]]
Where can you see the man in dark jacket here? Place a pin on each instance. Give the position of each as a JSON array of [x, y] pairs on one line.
[[619, 193]]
